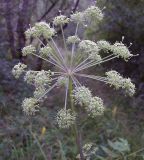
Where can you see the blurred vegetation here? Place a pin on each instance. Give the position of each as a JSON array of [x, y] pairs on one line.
[[119, 134]]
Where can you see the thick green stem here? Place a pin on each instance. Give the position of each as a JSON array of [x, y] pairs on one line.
[[76, 132]]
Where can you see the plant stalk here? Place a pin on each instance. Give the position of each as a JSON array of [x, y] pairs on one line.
[[75, 128]]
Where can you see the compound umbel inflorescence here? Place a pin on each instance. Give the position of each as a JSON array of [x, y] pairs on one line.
[[70, 65]]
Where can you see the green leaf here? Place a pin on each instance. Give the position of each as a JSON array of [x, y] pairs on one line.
[[121, 145]]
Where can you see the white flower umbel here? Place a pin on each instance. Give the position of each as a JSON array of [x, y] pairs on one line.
[[95, 107], [65, 118], [121, 51], [30, 106], [82, 95], [45, 51], [30, 76], [18, 69], [78, 17], [73, 39], [104, 45], [69, 66], [93, 13], [116, 80], [28, 50], [61, 20]]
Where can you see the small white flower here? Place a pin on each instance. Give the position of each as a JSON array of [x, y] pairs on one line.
[[65, 118], [121, 50], [73, 39], [93, 13], [82, 96], [114, 79], [30, 76], [95, 56], [104, 45], [43, 78], [128, 86], [88, 46], [45, 51], [18, 69], [32, 32], [95, 107], [78, 17], [61, 20], [30, 106], [44, 29], [28, 50]]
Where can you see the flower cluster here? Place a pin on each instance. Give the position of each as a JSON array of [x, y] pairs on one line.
[[116, 80], [45, 51], [30, 76], [91, 49], [65, 118], [93, 13], [93, 105], [73, 39], [69, 66], [40, 29], [121, 50], [82, 95], [30, 106], [28, 50], [78, 17], [61, 20], [18, 69], [104, 45]]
